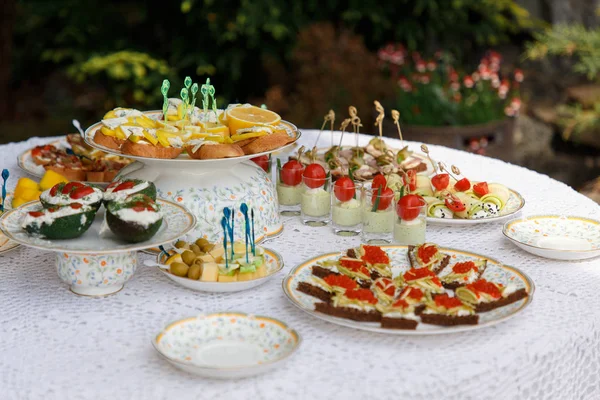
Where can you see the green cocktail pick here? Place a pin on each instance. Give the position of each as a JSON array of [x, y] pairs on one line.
[[204, 91], [185, 98], [187, 82], [211, 93], [194, 90], [164, 89]]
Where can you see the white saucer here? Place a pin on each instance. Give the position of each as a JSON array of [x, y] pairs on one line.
[[227, 345], [556, 237]]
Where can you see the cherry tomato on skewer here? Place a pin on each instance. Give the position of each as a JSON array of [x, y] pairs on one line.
[[291, 173], [481, 189], [409, 206], [344, 189], [462, 185], [314, 175], [440, 181]]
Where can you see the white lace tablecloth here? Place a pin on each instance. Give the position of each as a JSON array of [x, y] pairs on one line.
[[56, 345]]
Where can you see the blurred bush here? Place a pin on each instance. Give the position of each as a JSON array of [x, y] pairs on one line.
[[127, 47]]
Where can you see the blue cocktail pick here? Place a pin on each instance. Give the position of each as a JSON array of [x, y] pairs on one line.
[[253, 243], [231, 236], [244, 209], [225, 228], [5, 175], [162, 250]]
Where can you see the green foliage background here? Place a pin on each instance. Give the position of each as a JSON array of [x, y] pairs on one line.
[[128, 47]]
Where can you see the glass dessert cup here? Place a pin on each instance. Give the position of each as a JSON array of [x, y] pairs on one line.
[[346, 216], [315, 204], [411, 223], [377, 216], [289, 197]]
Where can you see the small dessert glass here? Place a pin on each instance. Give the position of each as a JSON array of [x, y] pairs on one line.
[[411, 223], [315, 204], [288, 196], [378, 216], [346, 216]]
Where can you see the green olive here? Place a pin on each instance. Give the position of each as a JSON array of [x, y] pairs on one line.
[[207, 247], [179, 269], [182, 244], [194, 272], [201, 242], [188, 257], [194, 247]]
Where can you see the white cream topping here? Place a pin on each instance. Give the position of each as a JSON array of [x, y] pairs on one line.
[[175, 142], [109, 195], [350, 204], [144, 218], [416, 221], [61, 199], [316, 192], [399, 314], [480, 214], [443, 212], [113, 123], [49, 217], [127, 112], [509, 289]]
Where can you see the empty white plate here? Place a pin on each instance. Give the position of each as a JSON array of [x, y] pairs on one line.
[[227, 345], [554, 236]]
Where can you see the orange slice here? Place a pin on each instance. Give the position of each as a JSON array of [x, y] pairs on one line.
[[249, 116]]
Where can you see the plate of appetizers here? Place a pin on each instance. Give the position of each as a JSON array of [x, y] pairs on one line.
[[78, 218], [555, 236], [72, 158], [201, 266], [212, 137], [227, 344], [409, 290]]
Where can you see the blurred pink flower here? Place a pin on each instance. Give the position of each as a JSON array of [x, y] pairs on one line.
[[468, 82], [455, 86], [431, 65], [421, 66], [519, 75], [475, 75], [509, 111]]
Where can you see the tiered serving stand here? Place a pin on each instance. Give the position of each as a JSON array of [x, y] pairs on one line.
[[206, 187]]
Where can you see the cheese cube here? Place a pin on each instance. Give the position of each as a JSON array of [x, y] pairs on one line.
[[228, 278], [210, 272], [246, 276], [261, 272]]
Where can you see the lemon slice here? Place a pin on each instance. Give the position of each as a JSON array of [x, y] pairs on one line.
[[174, 258], [247, 117], [214, 128], [108, 132]]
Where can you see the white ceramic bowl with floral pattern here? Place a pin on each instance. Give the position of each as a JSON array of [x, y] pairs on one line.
[[554, 236], [6, 244], [227, 345]]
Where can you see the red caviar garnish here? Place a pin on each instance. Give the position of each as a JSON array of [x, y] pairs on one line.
[[486, 287], [342, 281], [464, 267], [387, 285], [426, 252], [362, 295], [374, 255], [400, 303], [412, 292], [443, 300]]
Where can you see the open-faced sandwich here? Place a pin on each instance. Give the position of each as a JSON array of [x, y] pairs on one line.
[[487, 296], [462, 273], [63, 194], [134, 219], [428, 255], [448, 311], [60, 222]]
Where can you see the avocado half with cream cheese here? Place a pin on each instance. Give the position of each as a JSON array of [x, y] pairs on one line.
[[60, 222], [135, 219], [121, 189], [63, 194]]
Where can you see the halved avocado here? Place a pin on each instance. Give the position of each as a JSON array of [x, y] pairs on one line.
[[66, 227], [149, 191], [131, 231]]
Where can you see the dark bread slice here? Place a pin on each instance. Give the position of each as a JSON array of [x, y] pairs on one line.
[[456, 285], [348, 313], [314, 291], [375, 275], [321, 272], [511, 298], [352, 253], [419, 309], [418, 168], [398, 323], [442, 265], [365, 284], [449, 320]]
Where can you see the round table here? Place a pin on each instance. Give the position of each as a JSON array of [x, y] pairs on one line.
[[55, 344]]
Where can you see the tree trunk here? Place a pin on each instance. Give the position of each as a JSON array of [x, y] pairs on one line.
[[7, 19]]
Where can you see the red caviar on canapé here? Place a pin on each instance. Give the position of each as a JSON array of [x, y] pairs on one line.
[[400, 303], [355, 265], [443, 300], [342, 281], [464, 267], [483, 286], [374, 255], [418, 273], [362, 295], [412, 293], [426, 252], [386, 285]]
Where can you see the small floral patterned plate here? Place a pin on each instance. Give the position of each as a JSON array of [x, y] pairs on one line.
[[274, 264], [227, 345], [6, 244], [554, 236]]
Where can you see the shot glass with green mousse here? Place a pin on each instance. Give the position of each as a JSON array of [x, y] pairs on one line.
[[346, 214], [315, 204], [289, 187], [378, 215], [411, 222]]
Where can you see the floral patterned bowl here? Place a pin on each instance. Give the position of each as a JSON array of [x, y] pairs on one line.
[[227, 345], [556, 237]]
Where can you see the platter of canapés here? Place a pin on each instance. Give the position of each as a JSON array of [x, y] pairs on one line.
[[184, 132], [201, 265], [408, 290], [75, 217], [73, 159]]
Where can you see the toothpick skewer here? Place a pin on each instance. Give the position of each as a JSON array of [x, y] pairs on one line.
[[329, 117], [355, 120], [343, 127], [380, 116], [396, 118], [444, 168], [425, 150]]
